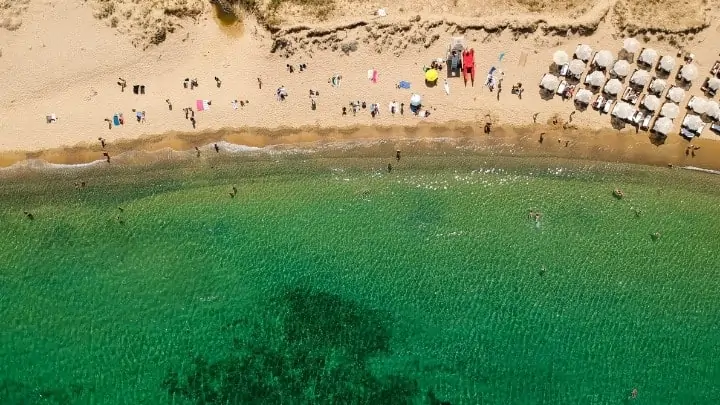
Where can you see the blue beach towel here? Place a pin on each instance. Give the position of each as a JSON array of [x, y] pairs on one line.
[[404, 85], [116, 120]]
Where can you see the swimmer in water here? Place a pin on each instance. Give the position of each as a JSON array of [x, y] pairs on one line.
[[634, 393]]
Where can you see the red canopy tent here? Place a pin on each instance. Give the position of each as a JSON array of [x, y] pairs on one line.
[[468, 66]]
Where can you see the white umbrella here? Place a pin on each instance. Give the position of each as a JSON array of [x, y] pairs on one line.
[[577, 67], [583, 52], [714, 83], [651, 102], [663, 125], [583, 96], [670, 110], [596, 78], [550, 82], [640, 77], [631, 45], [621, 68], [613, 87], [604, 59], [689, 72], [648, 56], [676, 94], [698, 104], [623, 110], [713, 110], [658, 85], [667, 63], [692, 122], [415, 100], [560, 57]]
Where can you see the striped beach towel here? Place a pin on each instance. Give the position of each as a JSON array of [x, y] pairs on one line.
[[202, 105]]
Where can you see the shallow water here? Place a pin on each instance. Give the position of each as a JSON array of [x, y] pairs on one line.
[[329, 280]]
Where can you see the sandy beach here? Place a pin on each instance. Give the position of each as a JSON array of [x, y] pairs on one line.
[[69, 66]]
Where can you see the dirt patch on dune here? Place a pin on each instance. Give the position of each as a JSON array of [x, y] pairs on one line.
[[11, 12], [148, 22]]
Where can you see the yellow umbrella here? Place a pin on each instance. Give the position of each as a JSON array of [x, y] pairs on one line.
[[431, 75]]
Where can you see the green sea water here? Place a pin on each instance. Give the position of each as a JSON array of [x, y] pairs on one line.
[[328, 280]]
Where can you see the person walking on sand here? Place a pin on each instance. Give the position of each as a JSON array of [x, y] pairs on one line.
[[259, 83], [197, 150], [102, 142], [218, 82], [107, 156], [535, 116], [397, 155], [167, 100], [389, 167], [109, 121], [542, 137], [193, 122]]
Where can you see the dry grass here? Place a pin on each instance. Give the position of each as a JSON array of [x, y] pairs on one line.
[[11, 12], [663, 15]]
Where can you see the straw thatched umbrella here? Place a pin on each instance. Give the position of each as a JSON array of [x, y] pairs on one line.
[[631, 45], [560, 57], [621, 68], [623, 110], [595, 79], [604, 59], [663, 125], [583, 96], [713, 110], [577, 67], [670, 110], [689, 72], [640, 77], [693, 123], [550, 82], [714, 83], [583, 52], [676, 94], [667, 64], [658, 86], [651, 102], [648, 56], [613, 87], [698, 104]]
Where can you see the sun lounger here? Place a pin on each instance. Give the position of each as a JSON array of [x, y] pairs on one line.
[[608, 106], [599, 102], [630, 95], [50, 118], [569, 91], [564, 69], [637, 118], [687, 134], [715, 127], [645, 124], [715, 71], [561, 87]]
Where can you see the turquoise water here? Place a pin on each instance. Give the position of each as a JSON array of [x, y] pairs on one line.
[[330, 280]]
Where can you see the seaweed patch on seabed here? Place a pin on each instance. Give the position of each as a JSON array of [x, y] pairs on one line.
[[18, 393], [310, 347]]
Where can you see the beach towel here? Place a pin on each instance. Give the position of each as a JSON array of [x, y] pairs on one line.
[[373, 75], [447, 88], [116, 120], [404, 85], [202, 105], [492, 70]]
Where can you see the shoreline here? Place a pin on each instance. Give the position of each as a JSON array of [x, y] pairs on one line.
[[567, 143]]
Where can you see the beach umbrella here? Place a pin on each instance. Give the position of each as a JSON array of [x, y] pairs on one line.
[[560, 57], [713, 110], [621, 68], [698, 104], [415, 100], [689, 72], [583, 96], [550, 82], [714, 83], [670, 110], [693, 123], [577, 67], [431, 75], [623, 110], [676, 94], [648, 56], [651, 102], [663, 125], [583, 52], [613, 87], [658, 85], [595, 79], [640, 77], [667, 63], [631, 45], [604, 59]]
